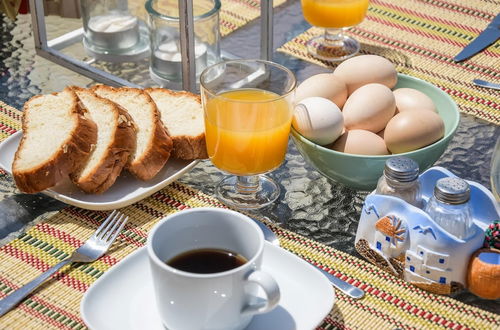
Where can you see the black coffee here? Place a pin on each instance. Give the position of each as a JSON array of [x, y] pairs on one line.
[[207, 261]]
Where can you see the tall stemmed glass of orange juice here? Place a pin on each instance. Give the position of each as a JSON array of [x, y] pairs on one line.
[[335, 16], [248, 114]]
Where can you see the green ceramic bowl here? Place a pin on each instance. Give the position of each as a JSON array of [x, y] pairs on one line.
[[362, 172]]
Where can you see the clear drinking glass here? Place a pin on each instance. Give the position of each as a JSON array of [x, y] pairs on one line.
[[248, 114], [335, 16], [495, 171], [166, 64]]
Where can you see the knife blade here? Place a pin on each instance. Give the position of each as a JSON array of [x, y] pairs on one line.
[[486, 84], [485, 38]]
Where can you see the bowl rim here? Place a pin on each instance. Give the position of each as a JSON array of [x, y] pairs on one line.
[[446, 137]]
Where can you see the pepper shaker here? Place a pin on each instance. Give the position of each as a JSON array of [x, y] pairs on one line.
[[400, 179]]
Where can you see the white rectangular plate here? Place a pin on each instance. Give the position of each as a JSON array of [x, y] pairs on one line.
[[123, 298], [125, 191]]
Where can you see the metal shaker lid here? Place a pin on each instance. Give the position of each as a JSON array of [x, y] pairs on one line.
[[401, 169], [452, 191]]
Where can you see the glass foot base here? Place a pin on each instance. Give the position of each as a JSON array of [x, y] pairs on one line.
[[333, 50], [247, 192]]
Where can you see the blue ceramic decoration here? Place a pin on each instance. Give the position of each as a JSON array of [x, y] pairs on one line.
[[403, 240]]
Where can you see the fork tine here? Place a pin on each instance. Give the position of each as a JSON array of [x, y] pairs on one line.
[[118, 231], [119, 219], [103, 228]]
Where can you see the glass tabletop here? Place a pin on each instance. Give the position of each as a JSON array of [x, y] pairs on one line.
[[310, 204]]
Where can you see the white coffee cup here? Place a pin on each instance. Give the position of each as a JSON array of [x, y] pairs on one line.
[[223, 300]]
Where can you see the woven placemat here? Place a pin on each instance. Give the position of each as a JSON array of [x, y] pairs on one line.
[[236, 13], [421, 38], [389, 302]]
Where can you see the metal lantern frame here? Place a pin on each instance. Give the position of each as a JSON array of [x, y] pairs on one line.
[[51, 49]]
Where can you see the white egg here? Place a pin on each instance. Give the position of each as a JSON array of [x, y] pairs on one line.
[[318, 119]]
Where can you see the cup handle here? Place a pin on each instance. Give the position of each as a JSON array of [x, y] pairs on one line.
[[271, 289]]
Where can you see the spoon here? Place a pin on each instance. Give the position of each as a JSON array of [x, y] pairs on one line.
[[343, 286], [486, 84]]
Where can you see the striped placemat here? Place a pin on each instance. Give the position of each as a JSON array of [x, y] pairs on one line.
[[236, 13], [389, 303], [421, 38]]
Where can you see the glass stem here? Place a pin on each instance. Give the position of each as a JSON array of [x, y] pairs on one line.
[[247, 185], [333, 36]]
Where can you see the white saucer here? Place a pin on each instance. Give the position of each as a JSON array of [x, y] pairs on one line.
[[123, 297], [125, 191]]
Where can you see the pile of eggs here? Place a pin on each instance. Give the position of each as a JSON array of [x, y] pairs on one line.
[[354, 110]]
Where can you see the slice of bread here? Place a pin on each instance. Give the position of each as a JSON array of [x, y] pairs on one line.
[[182, 115], [57, 139], [153, 144], [116, 140]]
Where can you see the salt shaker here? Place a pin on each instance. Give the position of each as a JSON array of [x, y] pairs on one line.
[[400, 179], [449, 207]]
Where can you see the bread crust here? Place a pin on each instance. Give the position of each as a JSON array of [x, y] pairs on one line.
[[185, 147], [123, 142], [75, 151], [160, 145]]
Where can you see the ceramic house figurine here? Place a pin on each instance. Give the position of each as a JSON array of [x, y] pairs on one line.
[[405, 241]]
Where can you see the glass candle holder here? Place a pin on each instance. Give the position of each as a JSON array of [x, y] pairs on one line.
[[110, 29], [166, 61]]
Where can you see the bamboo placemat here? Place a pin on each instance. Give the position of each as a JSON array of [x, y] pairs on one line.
[[236, 13], [421, 38], [389, 303]]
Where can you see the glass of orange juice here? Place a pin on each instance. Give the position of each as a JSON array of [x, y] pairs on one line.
[[335, 16], [248, 114]]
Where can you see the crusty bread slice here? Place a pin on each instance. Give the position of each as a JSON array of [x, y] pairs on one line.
[[182, 115], [153, 145], [57, 139], [116, 140]]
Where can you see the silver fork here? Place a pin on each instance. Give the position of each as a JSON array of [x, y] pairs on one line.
[[343, 286], [92, 250]]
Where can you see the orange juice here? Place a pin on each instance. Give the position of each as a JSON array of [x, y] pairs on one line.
[[247, 131], [334, 13]]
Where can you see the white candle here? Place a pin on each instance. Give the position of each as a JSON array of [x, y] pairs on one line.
[[113, 31], [167, 59]]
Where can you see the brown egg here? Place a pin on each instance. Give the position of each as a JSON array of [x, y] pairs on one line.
[[324, 85], [370, 107], [411, 130], [360, 142], [365, 69], [408, 99]]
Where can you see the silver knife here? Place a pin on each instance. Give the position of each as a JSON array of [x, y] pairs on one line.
[[486, 38], [486, 84], [343, 286]]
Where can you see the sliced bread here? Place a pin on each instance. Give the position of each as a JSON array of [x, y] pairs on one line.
[[153, 144], [57, 139], [182, 115], [116, 141]]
